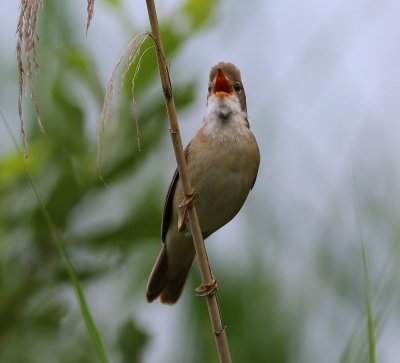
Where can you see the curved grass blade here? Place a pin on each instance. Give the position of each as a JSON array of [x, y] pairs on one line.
[[368, 299], [84, 307]]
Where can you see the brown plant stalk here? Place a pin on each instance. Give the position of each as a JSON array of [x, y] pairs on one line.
[[205, 270]]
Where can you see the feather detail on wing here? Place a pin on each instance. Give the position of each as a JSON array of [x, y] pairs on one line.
[[168, 207], [254, 181]]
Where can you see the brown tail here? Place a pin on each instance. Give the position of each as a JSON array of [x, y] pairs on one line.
[[161, 285]]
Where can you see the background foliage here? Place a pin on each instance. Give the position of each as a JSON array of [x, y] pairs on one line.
[[63, 164]]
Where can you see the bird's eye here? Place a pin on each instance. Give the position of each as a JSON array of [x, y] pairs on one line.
[[209, 88], [237, 86]]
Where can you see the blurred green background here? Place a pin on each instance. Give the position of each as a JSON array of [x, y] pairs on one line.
[[322, 84]]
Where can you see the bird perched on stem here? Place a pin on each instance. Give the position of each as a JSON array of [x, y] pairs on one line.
[[223, 160]]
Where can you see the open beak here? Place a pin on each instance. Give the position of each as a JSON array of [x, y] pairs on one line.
[[222, 86]]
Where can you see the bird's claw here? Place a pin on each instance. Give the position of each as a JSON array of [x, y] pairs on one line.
[[207, 289], [189, 200]]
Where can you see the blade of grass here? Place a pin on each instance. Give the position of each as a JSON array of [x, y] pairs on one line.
[[384, 299], [84, 307], [370, 316]]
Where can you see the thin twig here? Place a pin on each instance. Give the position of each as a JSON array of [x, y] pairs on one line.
[[205, 271]]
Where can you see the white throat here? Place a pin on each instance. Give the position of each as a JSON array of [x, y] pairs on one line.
[[224, 119]]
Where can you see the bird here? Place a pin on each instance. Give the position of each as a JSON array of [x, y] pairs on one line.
[[222, 161]]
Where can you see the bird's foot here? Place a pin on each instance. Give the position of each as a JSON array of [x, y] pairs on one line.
[[189, 200], [207, 289]]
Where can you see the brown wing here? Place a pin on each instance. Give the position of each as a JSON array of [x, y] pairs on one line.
[[167, 213], [168, 208], [258, 163], [252, 185]]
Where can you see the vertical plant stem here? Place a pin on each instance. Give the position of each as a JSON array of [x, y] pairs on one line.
[[83, 304], [368, 293], [205, 271]]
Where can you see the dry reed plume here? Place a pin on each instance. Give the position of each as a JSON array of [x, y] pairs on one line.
[[27, 41], [26, 58], [130, 55], [90, 8]]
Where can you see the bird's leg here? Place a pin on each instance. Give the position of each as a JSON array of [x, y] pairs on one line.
[[202, 289], [189, 200]]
